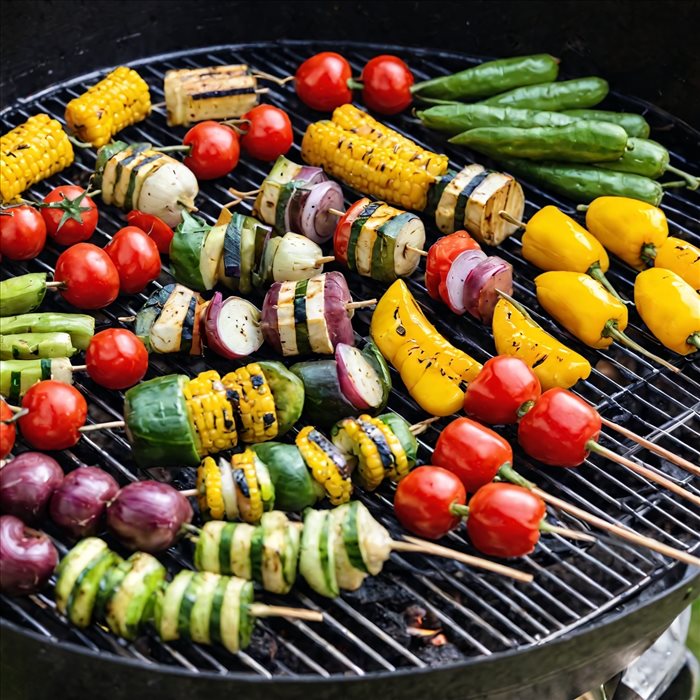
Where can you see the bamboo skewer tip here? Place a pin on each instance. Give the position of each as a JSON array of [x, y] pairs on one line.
[[262, 610], [361, 304]]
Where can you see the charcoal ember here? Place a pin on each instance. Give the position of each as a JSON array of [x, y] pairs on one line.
[[414, 615], [437, 654], [379, 589], [391, 622], [263, 646]]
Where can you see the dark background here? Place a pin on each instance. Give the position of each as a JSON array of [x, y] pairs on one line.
[[648, 49]]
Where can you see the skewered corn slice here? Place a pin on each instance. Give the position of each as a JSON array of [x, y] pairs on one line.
[[117, 101], [31, 152]]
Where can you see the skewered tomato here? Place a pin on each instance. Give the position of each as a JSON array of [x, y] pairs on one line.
[[22, 233], [56, 412], [440, 257], [427, 502], [214, 150], [269, 133], [136, 257], [8, 432], [500, 389], [386, 84], [558, 428], [504, 520], [156, 228], [70, 215], [471, 451], [322, 81], [90, 277], [116, 358]]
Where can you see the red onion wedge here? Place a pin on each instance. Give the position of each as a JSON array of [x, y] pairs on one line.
[[457, 276], [232, 327], [359, 381], [316, 221], [480, 292], [336, 297]]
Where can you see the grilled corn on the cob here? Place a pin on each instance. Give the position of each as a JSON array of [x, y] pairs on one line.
[[249, 390], [327, 464], [209, 490], [250, 503], [31, 152], [117, 101]]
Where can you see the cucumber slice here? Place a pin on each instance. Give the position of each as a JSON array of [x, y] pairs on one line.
[[247, 623], [216, 605], [232, 246], [291, 552], [403, 231], [286, 193], [108, 583], [150, 312], [184, 613], [301, 329], [375, 540], [72, 566], [229, 615], [81, 601], [168, 608], [351, 538], [317, 558], [267, 488], [366, 244], [356, 230], [206, 551], [288, 392], [225, 547], [349, 577], [324, 401], [245, 283], [274, 526], [401, 429], [241, 546], [256, 555], [200, 617]]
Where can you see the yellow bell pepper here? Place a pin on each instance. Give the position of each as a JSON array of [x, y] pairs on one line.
[[680, 257], [554, 241], [518, 335], [631, 229], [434, 371], [670, 307]]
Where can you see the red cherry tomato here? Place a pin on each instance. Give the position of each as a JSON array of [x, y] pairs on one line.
[[471, 451], [156, 228], [8, 432], [558, 428], [71, 216], [116, 358], [322, 81], [502, 386], [440, 257], [504, 520], [91, 279], [269, 134], [424, 500], [22, 233], [386, 84], [214, 150], [341, 237], [136, 257], [57, 411]]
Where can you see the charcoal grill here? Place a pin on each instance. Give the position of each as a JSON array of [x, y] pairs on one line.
[[589, 612]]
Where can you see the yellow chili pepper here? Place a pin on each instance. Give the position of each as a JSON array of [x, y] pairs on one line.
[[588, 311], [517, 334], [631, 229], [680, 257], [670, 307], [435, 372]]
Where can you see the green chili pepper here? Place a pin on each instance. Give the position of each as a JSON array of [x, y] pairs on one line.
[[30, 346], [567, 94], [81, 327], [579, 142], [634, 124], [22, 294], [491, 78], [650, 159]]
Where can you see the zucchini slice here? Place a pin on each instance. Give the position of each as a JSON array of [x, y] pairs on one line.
[[274, 526], [200, 617], [72, 566], [228, 615], [208, 547], [349, 576], [317, 559], [81, 602], [168, 606]]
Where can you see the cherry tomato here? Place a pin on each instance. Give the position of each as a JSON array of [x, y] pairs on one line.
[[91, 279], [504, 520], [22, 233], [471, 451], [269, 134], [8, 432], [136, 257], [116, 358], [214, 150], [502, 386], [341, 237], [71, 216], [156, 228], [322, 81], [386, 82], [558, 428], [425, 499], [440, 257], [57, 411]]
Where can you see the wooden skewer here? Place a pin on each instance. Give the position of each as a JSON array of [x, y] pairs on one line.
[[413, 544], [422, 426], [361, 304], [102, 426], [566, 532], [621, 532], [189, 493], [419, 251], [55, 285], [511, 219], [18, 413], [79, 368], [126, 319], [14, 409], [653, 447], [323, 260], [262, 610], [336, 212]]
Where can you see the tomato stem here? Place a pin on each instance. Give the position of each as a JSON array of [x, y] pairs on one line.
[[507, 473], [355, 84], [525, 408], [17, 416], [598, 275], [459, 510], [694, 339], [691, 181], [612, 331], [648, 253]]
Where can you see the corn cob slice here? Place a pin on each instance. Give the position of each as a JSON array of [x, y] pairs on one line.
[[358, 122], [31, 152], [327, 464], [367, 167], [250, 391], [117, 101], [211, 412], [250, 501], [400, 467], [216, 92], [209, 490]]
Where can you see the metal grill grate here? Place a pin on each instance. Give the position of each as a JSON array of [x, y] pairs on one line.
[[479, 614]]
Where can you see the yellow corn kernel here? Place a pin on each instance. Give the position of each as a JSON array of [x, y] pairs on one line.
[[256, 405], [367, 167], [370, 468], [31, 152], [318, 453], [352, 119], [117, 101], [400, 467], [209, 494], [250, 504]]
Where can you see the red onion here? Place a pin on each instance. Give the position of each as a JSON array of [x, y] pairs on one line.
[[269, 326], [317, 223], [480, 295], [78, 504], [336, 296], [26, 485], [27, 557], [358, 380], [457, 275], [232, 327], [148, 516]]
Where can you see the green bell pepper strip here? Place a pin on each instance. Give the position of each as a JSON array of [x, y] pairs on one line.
[[80, 326], [16, 376], [580, 93], [491, 78], [634, 124], [19, 295], [34, 346]]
